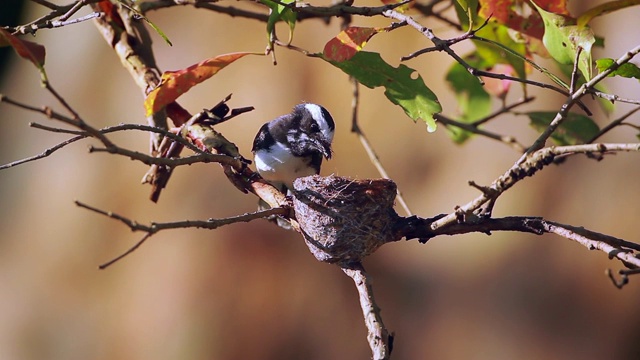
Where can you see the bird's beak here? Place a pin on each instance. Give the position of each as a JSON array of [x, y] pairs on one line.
[[322, 145]]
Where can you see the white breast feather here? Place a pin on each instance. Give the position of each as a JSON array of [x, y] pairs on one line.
[[279, 165]]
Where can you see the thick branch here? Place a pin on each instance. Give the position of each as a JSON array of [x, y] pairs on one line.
[[303, 10], [379, 339], [424, 229], [133, 46]]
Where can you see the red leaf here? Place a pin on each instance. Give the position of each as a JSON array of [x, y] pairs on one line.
[[176, 83], [499, 87], [177, 114], [348, 42], [509, 13], [111, 12], [26, 49]]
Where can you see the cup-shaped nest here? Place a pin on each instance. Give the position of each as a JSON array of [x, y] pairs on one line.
[[342, 219]]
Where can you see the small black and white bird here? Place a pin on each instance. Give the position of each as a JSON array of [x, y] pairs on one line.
[[293, 145]]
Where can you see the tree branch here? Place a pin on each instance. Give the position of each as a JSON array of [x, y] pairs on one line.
[[532, 164], [373, 157], [615, 123], [380, 341], [133, 45], [304, 11], [444, 45], [509, 140], [154, 227], [88, 131], [574, 98], [425, 229]]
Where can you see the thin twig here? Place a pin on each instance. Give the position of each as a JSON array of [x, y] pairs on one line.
[[76, 120], [444, 45], [56, 11], [373, 157], [440, 46], [113, 148], [428, 10], [542, 85], [593, 241], [508, 140], [503, 110], [201, 157], [47, 4], [612, 125], [43, 154], [624, 279], [233, 11], [533, 64], [156, 227], [533, 163], [52, 24], [74, 9], [57, 130], [612, 97], [574, 73], [573, 99], [126, 253]]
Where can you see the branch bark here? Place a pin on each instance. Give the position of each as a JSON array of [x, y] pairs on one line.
[[380, 342]]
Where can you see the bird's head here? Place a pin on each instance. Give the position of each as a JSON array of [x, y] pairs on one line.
[[311, 131]]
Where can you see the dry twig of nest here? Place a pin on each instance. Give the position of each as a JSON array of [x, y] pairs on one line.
[[342, 219]]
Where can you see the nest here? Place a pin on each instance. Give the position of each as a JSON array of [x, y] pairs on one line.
[[343, 220]]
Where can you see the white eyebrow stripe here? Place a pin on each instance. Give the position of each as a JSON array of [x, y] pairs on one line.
[[316, 113]]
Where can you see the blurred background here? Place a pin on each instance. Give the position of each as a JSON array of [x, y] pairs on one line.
[[253, 291]]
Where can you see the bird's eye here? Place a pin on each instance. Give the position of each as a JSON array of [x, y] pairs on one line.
[[315, 127]]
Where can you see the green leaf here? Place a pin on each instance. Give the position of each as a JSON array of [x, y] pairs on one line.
[[576, 128], [474, 102], [401, 86], [495, 55], [153, 26], [627, 70], [279, 11], [467, 11], [562, 38]]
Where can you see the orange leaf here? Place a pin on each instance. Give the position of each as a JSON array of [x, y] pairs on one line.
[[348, 42], [176, 83]]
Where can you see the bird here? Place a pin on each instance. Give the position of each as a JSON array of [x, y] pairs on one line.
[[293, 145]]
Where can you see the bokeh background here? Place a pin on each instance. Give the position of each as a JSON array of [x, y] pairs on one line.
[[253, 291]]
